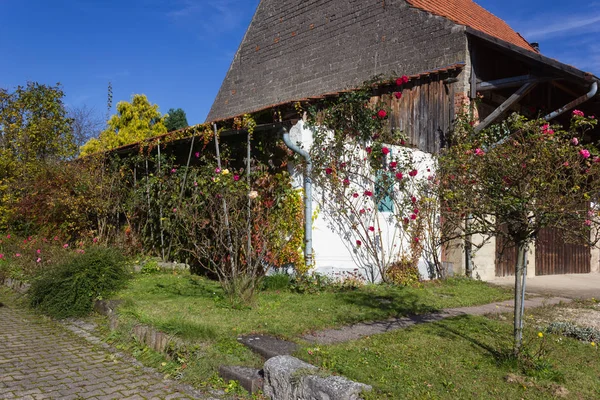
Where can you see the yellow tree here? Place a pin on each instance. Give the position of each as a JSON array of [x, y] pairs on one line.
[[135, 121]]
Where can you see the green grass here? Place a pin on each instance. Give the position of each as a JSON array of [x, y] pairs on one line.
[[194, 307], [463, 358]]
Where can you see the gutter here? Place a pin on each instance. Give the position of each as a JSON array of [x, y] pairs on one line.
[[308, 256], [574, 103]]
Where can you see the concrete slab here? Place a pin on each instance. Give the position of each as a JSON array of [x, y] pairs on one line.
[[268, 346], [574, 286]]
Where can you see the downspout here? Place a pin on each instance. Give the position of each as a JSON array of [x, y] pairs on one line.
[[308, 256], [574, 103]]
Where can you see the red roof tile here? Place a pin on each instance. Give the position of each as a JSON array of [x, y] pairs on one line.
[[468, 13]]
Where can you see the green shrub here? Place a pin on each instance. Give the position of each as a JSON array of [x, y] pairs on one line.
[[276, 282], [70, 288]]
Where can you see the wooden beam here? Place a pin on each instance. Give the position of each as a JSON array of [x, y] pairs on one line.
[[510, 82], [518, 95], [566, 89], [532, 56], [473, 94]]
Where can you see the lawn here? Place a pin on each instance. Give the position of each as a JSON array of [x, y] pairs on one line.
[[463, 358], [194, 307]]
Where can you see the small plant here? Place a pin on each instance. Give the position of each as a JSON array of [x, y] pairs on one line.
[[70, 288], [585, 334], [150, 267], [403, 273], [311, 283]]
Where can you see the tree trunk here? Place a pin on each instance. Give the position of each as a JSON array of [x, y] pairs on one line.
[[520, 276]]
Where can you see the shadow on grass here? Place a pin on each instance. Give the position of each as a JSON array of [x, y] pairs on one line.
[[398, 303], [502, 354], [188, 287]]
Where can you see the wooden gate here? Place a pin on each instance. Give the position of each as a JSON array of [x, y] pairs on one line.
[[506, 257], [553, 256]]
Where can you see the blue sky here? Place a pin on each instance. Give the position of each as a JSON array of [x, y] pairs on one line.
[[177, 52]]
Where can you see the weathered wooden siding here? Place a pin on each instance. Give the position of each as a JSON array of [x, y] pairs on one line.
[[424, 113], [554, 256], [506, 257]]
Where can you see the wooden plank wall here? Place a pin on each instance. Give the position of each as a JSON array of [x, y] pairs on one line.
[[553, 256], [425, 112], [506, 257]]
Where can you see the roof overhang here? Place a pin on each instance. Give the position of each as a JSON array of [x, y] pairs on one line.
[[561, 69]]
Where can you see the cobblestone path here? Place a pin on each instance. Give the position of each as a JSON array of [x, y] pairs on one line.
[[41, 360]]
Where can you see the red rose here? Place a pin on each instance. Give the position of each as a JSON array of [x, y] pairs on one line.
[[398, 95], [346, 182], [404, 79], [393, 164], [372, 228], [368, 193], [413, 172], [355, 195], [399, 176], [328, 171], [413, 199], [385, 151], [358, 243], [382, 114], [369, 150]]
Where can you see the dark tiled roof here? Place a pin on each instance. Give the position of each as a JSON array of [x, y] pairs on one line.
[[297, 49], [469, 13]]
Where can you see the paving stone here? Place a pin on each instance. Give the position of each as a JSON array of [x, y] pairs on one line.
[[40, 359]]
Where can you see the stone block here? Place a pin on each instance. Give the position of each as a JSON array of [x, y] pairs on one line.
[[288, 378]]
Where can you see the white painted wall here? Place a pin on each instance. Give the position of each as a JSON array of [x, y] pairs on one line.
[[333, 255]]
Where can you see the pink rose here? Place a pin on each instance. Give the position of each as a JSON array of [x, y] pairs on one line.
[[584, 153], [197, 154], [38, 260], [574, 141], [479, 152], [66, 245], [217, 170], [173, 170], [38, 251], [578, 113], [236, 178], [588, 222]]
